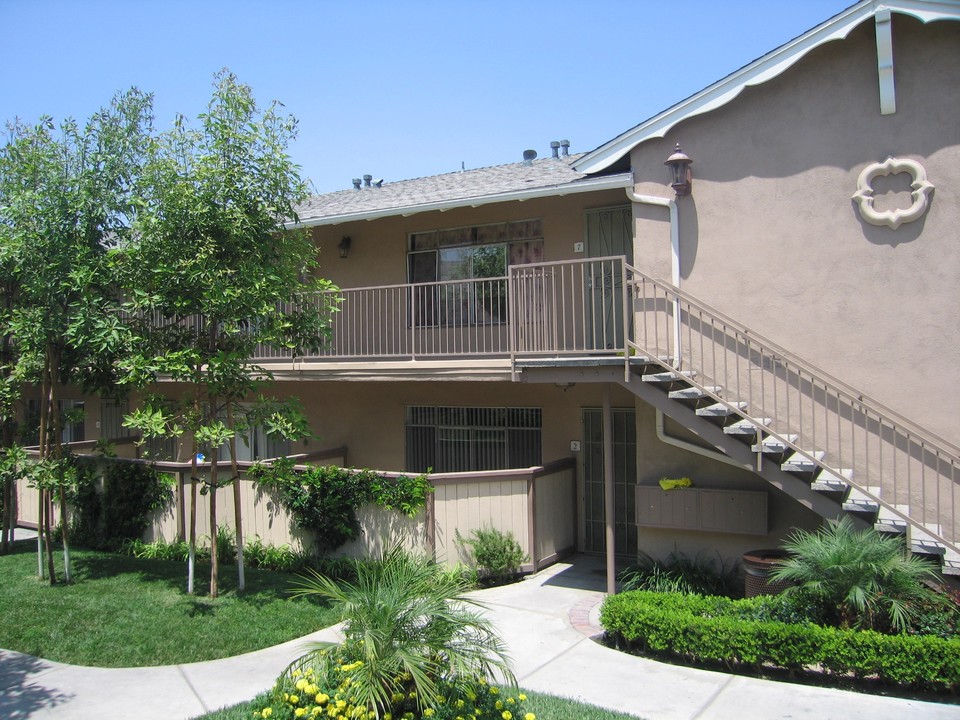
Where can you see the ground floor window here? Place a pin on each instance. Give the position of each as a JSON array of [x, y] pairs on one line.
[[463, 439]]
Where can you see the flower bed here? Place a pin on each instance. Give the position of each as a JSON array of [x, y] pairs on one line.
[[325, 688]]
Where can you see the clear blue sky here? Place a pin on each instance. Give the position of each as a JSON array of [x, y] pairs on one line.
[[397, 89]]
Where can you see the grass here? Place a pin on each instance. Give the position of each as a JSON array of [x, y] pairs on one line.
[[135, 612], [545, 707]]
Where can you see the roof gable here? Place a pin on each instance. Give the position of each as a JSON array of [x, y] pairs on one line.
[[759, 71]]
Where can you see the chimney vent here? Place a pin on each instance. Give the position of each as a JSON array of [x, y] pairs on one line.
[[555, 148], [529, 156], [356, 183], [565, 144], [367, 179]]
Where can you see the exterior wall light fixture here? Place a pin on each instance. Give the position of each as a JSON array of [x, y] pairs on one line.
[[679, 164], [344, 246]]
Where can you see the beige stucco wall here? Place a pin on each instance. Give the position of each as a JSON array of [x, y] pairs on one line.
[[771, 237], [378, 250]]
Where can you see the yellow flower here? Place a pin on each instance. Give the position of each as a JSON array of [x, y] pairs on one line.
[[506, 715], [529, 716], [494, 690], [267, 712], [297, 673], [498, 705], [301, 684], [299, 712], [522, 697], [511, 701], [322, 698], [294, 699], [460, 704], [428, 712]]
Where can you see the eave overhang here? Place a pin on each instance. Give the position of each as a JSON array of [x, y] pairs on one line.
[[597, 184], [760, 71]]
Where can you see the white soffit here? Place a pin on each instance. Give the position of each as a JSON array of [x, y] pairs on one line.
[[761, 70]]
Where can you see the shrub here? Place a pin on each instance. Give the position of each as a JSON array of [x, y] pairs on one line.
[[132, 494], [325, 499], [497, 555], [409, 633], [714, 629], [679, 573], [856, 578]]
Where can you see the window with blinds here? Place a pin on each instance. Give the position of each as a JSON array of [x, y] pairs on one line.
[[463, 439]]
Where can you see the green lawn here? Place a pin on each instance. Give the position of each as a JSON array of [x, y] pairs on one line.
[[124, 612], [545, 707]]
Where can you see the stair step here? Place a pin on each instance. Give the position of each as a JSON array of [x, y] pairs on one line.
[[832, 481], [923, 544], [891, 526], [858, 502], [798, 463], [950, 567], [745, 427], [950, 563], [927, 547], [774, 446], [693, 393], [668, 376], [721, 409]]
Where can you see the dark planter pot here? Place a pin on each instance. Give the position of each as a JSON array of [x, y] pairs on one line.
[[758, 566]]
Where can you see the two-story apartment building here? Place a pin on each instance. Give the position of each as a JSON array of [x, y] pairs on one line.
[[783, 330]]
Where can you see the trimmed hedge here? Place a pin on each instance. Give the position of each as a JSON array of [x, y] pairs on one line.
[[716, 629]]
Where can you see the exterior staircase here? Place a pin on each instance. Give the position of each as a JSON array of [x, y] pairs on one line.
[[808, 434]]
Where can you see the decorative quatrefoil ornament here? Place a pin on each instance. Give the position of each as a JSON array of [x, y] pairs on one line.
[[893, 219]]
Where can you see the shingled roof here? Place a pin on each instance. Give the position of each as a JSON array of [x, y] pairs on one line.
[[500, 183]]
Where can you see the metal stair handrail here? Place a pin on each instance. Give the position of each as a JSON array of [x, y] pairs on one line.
[[896, 440]]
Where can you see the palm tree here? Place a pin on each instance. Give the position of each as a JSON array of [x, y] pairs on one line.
[[856, 578], [411, 627]]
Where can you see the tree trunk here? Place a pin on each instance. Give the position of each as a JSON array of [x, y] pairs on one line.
[[237, 509], [48, 534], [54, 448], [192, 553], [214, 560], [40, 505], [6, 534], [42, 442]]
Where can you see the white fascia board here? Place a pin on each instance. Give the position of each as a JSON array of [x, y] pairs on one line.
[[609, 182], [760, 71]]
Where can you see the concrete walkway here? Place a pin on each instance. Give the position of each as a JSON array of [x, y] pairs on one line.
[[547, 619]]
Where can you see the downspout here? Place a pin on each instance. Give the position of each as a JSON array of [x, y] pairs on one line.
[[674, 257]]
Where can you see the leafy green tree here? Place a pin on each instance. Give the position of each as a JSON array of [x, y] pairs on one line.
[[66, 201], [855, 578], [408, 626], [216, 276]]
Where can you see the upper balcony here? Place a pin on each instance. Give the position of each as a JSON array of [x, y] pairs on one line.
[[557, 309]]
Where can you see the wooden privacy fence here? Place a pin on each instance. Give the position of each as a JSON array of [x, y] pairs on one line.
[[537, 505]]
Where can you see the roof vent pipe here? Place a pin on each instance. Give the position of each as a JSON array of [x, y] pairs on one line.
[[367, 179], [555, 148], [356, 183], [529, 156], [565, 144]]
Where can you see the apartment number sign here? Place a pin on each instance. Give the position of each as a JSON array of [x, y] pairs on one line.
[[920, 192]]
